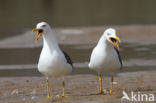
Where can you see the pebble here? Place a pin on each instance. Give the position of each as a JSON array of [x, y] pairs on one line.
[[14, 92]]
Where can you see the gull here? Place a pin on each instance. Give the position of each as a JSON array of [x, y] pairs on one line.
[[53, 62], [105, 56]]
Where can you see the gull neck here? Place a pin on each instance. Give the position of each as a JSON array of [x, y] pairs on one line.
[[49, 41]]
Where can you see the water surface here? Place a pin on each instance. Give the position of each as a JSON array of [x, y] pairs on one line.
[[17, 16], [79, 54]]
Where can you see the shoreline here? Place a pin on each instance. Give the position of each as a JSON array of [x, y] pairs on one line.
[[140, 34]]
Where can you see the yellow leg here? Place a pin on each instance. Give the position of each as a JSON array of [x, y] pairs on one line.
[[63, 90], [111, 87], [100, 82], [47, 85]]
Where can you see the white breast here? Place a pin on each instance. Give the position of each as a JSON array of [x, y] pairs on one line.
[[104, 58], [53, 64]]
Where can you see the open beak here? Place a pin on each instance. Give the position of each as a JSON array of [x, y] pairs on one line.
[[115, 41], [39, 33]]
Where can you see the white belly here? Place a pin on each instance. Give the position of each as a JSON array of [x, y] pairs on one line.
[[53, 64], [103, 60]]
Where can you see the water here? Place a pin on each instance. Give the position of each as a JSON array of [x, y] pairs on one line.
[[17, 16], [138, 57], [78, 53]]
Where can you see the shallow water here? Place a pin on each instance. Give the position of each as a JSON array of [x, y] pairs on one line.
[[18, 16], [135, 58]]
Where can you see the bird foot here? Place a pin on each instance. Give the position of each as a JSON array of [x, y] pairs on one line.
[[48, 97], [110, 92], [63, 96], [101, 93]]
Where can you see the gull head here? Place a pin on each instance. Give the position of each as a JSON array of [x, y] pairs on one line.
[[111, 36], [41, 28]]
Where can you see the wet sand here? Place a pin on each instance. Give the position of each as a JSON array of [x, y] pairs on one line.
[[79, 88]]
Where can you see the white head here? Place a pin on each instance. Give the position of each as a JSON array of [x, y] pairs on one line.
[[110, 35], [42, 28]]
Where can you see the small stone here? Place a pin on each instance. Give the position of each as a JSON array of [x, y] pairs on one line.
[[33, 92], [57, 95], [105, 91], [33, 97], [14, 92], [114, 83]]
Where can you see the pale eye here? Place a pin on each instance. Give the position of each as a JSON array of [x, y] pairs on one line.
[[108, 34], [43, 25]]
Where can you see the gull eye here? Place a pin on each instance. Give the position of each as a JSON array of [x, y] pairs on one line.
[[108, 34], [43, 25]]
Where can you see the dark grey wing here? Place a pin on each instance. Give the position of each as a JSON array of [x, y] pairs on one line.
[[119, 57], [68, 58]]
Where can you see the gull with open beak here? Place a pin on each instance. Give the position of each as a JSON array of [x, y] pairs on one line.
[[105, 56], [53, 62]]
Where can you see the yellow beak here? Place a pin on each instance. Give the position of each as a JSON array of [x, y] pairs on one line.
[[115, 43], [38, 34], [34, 30], [117, 38]]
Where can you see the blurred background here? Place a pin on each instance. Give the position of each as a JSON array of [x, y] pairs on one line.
[[77, 25], [17, 16], [79, 21]]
